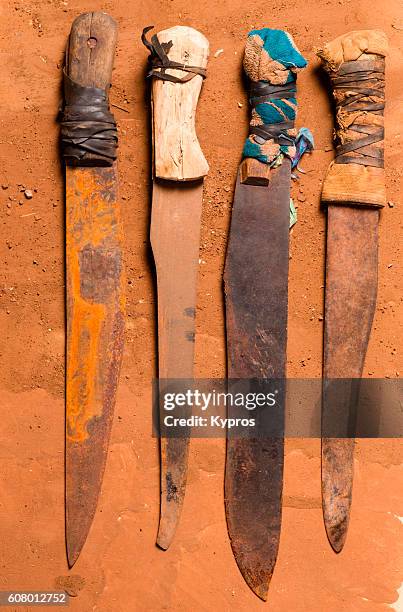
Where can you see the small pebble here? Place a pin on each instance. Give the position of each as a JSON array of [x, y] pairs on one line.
[[390, 204], [4, 186], [28, 194], [218, 52]]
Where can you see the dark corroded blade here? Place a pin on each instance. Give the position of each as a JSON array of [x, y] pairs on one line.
[[175, 235], [351, 287], [95, 325], [256, 279]]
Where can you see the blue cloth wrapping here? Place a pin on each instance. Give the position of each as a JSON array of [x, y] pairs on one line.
[[271, 57]]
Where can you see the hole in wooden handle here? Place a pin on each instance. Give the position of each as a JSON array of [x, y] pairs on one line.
[[92, 42]]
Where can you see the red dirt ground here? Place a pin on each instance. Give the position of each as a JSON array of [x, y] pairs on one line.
[[120, 568]]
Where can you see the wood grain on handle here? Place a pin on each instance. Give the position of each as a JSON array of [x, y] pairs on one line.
[[177, 152], [254, 172], [91, 49]]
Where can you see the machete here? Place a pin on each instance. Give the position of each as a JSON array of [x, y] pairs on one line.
[[256, 295], [94, 269], [353, 193], [178, 60]]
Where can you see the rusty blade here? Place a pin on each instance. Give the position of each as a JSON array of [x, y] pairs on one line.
[[256, 294], [351, 288], [95, 327], [175, 235]]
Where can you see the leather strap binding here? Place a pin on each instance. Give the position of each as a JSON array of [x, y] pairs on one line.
[[263, 93], [160, 62], [260, 92], [274, 131], [356, 83], [87, 126]]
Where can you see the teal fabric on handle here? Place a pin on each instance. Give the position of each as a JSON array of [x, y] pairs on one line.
[[281, 47], [272, 57]]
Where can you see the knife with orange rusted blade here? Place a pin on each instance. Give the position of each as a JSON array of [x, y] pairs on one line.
[[256, 295], [178, 60], [353, 193], [94, 268]]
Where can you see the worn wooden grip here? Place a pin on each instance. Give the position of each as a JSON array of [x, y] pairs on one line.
[[176, 149], [254, 172], [91, 49]]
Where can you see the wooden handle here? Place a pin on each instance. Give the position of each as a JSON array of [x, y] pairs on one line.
[[91, 49], [177, 152], [254, 172]]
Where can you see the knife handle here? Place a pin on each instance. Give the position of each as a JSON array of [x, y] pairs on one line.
[[89, 62], [355, 63], [177, 155], [91, 49], [271, 63]]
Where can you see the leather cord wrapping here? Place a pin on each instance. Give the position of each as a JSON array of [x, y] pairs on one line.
[[87, 126], [263, 93], [356, 84], [160, 62]]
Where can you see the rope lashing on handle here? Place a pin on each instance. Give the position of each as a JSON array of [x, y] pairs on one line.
[[359, 89], [271, 63], [87, 125], [160, 62]]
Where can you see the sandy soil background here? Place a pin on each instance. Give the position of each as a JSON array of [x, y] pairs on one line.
[[120, 568]]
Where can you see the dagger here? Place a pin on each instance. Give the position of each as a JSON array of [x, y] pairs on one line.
[[353, 193], [177, 66], [94, 268], [256, 294]]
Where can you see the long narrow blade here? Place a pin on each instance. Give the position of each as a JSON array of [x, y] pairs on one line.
[[351, 287], [175, 235], [256, 288], [95, 326]]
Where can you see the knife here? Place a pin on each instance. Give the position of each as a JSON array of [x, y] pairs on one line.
[[177, 66], [94, 268], [353, 194], [256, 295]]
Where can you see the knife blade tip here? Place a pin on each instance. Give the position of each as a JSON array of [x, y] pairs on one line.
[[164, 537], [336, 540], [72, 555], [260, 589]]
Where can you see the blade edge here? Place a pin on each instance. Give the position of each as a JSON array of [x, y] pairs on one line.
[[95, 330], [175, 239], [350, 301]]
